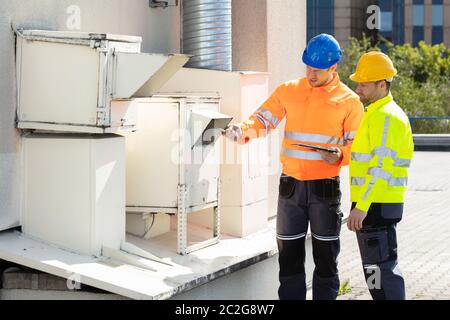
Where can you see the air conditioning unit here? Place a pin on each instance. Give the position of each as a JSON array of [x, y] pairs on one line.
[[173, 159], [85, 82]]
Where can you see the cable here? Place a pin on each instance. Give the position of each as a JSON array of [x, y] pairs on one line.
[[147, 229]]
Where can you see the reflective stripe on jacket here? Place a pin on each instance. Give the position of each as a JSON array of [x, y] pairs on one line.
[[380, 155], [326, 116]]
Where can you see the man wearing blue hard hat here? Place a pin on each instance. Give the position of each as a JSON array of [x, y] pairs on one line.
[[320, 111]]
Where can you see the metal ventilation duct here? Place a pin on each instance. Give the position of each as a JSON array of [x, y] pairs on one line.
[[207, 33]]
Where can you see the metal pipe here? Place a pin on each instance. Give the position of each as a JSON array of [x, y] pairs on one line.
[[207, 33]]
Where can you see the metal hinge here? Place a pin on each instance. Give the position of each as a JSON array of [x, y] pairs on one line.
[[95, 44], [98, 44]]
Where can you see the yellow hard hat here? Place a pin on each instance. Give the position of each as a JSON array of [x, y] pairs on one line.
[[374, 66]]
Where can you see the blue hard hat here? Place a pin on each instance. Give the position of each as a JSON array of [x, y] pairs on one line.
[[322, 52]]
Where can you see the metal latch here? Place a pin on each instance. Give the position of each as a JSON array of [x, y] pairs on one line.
[[101, 116]]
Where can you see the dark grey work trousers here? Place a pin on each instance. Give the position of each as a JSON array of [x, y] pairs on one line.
[[377, 242], [301, 203]]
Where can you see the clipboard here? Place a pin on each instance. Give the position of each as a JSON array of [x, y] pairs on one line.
[[310, 146]]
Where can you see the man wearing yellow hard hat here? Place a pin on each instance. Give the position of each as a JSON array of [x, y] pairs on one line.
[[380, 157]]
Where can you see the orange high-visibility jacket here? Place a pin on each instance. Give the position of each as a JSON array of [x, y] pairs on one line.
[[326, 116]]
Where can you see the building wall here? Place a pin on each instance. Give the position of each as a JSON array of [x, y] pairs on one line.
[[342, 21], [360, 16], [447, 22], [428, 20], [350, 18], [270, 36], [249, 35], [160, 29], [408, 21], [286, 40]]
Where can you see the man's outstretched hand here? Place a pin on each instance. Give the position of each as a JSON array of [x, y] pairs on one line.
[[233, 132]]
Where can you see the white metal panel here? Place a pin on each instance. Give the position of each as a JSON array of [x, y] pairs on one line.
[[11, 189], [54, 211], [142, 75], [202, 175], [152, 156], [207, 125], [66, 35], [164, 74], [128, 47], [124, 114], [58, 83], [108, 170], [74, 193], [241, 221], [102, 41], [60, 127]]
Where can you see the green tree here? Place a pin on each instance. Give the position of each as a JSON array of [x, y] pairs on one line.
[[422, 86]]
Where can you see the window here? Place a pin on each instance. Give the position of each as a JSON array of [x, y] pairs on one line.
[[392, 18], [320, 17], [418, 17], [398, 17], [386, 21], [418, 35], [437, 33], [418, 13]]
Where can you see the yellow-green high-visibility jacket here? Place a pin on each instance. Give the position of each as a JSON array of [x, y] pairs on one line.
[[381, 155]]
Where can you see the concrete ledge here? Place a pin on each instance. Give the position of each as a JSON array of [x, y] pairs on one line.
[[432, 142], [32, 281], [19, 278], [27, 294], [155, 281]]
